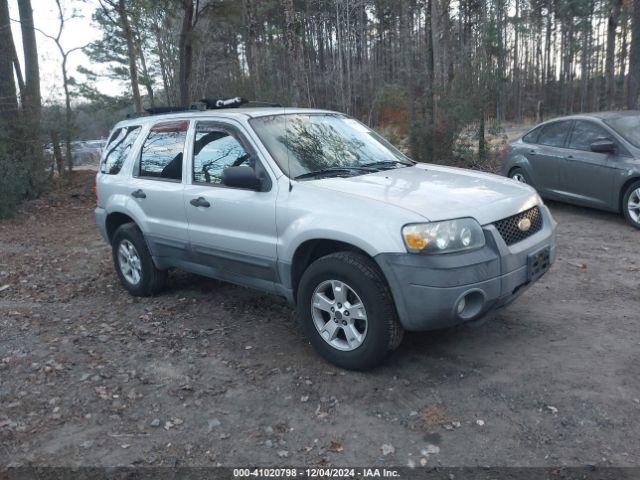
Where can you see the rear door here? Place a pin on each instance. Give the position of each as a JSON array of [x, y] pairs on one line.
[[546, 156], [157, 187], [232, 230], [587, 176]]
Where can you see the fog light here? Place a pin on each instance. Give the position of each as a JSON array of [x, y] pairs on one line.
[[461, 305]]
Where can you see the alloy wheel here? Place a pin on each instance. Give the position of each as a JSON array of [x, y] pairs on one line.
[[519, 177], [633, 206], [129, 262], [339, 315]]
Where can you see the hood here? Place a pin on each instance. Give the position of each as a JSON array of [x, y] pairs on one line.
[[439, 193]]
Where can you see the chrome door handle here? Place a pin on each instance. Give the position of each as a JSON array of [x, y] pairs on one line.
[[200, 202]]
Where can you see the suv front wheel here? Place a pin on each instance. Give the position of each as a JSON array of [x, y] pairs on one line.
[[134, 264], [346, 310]]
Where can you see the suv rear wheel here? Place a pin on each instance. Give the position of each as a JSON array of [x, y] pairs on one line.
[[631, 204], [346, 310], [134, 264]]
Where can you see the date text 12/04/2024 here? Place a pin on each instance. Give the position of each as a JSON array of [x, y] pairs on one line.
[[316, 472]]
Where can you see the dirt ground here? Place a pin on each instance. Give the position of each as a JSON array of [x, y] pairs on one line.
[[212, 374]]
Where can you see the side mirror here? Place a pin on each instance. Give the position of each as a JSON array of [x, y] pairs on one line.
[[603, 145], [241, 177]]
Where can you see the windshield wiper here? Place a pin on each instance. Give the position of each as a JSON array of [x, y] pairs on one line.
[[387, 164], [325, 171]]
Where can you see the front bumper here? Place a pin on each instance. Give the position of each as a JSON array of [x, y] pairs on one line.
[[427, 289]]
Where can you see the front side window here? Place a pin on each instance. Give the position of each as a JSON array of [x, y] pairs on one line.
[[554, 134], [584, 134], [162, 151], [118, 149], [302, 144], [214, 150], [628, 126]]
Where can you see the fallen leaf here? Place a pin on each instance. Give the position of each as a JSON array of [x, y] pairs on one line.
[[335, 447], [387, 449]]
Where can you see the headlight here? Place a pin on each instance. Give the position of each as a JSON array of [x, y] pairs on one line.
[[443, 237]]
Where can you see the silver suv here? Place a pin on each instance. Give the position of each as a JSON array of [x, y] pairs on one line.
[[316, 207]]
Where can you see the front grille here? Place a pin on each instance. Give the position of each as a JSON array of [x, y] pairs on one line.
[[511, 233]]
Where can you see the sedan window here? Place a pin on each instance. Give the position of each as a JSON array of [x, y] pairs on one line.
[[628, 126], [532, 136], [585, 133], [554, 134]]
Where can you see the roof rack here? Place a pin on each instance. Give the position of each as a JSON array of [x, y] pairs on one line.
[[205, 104], [218, 103]]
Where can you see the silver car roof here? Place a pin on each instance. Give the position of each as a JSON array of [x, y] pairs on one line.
[[232, 113]]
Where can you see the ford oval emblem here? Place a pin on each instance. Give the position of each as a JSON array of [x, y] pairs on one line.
[[524, 225]]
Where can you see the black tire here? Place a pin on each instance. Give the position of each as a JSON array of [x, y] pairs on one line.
[[522, 173], [625, 202], [384, 332], [151, 280]]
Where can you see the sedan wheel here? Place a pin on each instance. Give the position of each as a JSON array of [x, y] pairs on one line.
[[339, 315], [633, 205], [519, 177]]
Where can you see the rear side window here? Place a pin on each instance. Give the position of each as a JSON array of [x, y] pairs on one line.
[[554, 134], [585, 133], [118, 149], [161, 154]]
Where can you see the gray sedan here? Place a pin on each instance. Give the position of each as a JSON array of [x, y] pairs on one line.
[[590, 159]]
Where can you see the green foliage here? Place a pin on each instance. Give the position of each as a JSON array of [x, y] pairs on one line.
[[11, 177], [23, 173]]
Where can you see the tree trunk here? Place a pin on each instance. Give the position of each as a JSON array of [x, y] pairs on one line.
[[610, 75], [634, 59], [145, 74], [8, 98], [32, 100], [253, 57], [68, 130], [57, 152], [293, 48], [131, 50], [185, 52], [516, 60], [166, 82], [430, 109]]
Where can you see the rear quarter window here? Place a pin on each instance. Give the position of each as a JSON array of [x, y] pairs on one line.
[[118, 149], [532, 136]]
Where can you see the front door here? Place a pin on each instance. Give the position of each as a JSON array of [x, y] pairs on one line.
[[232, 231], [588, 176], [546, 157]]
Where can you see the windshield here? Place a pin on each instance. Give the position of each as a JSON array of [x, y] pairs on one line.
[[628, 127], [306, 143]]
